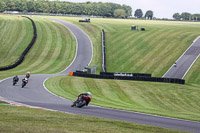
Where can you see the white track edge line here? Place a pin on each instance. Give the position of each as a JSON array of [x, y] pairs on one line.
[[190, 66]]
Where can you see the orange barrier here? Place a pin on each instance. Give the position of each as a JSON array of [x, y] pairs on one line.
[[70, 73]]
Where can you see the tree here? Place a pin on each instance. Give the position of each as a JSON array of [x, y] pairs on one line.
[[45, 7], [10, 5], [177, 16], [2, 6], [138, 13], [149, 14], [31, 6], [119, 13], [77, 9], [186, 16], [56, 6], [196, 17], [128, 10], [38, 7], [114, 7]]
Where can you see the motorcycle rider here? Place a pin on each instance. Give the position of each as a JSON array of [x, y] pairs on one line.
[[25, 80], [15, 79], [28, 74], [83, 96], [175, 64]]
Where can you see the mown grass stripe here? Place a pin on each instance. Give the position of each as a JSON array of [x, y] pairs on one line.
[[150, 50], [45, 40], [9, 43], [152, 58], [50, 48], [18, 43], [14, 45], [134, 51]]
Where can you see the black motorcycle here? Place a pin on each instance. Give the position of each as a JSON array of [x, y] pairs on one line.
[[15, 80], [23, 84], [80, 102]]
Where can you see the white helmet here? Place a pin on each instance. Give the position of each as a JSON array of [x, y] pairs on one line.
[[89, 93]]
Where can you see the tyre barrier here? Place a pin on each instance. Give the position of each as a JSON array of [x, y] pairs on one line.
[[136, 77], [21, 58], [86, 20], [103, 51]]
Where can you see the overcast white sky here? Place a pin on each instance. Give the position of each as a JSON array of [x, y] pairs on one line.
[[161, 8]]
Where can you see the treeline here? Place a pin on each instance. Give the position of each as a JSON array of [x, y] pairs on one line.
[[139, 14], [63, 7], [186, 16]]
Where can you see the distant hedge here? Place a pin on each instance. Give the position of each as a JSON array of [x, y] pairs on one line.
[[20, 60]]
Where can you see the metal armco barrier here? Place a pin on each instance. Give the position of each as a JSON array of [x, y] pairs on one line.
[[135, 77], [21, 58]]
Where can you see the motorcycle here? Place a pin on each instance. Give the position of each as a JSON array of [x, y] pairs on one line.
[[80, 102], [14, 82], [23, 84]]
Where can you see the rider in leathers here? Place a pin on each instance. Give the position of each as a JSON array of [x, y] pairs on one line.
[[83, 96]]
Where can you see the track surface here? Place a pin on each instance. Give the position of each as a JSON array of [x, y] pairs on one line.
[[184, 63], [34, 94]]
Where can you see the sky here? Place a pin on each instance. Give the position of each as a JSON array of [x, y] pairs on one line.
[[160, 8]]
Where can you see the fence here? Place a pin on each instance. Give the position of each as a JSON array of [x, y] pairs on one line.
[[128, 76], [21, 58]]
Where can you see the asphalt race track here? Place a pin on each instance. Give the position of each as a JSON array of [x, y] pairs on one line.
[[36, 95], [184, 63]]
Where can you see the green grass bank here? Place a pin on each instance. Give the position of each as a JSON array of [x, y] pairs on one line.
[[16, 34], [152, 51], [52, 52], [20, 119], [172, 100]]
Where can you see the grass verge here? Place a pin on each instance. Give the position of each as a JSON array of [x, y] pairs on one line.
[[20, 119], [172, 100]]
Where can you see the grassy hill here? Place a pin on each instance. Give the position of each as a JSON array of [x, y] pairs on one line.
[[52, 52], [16, 34], [152, 51]]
